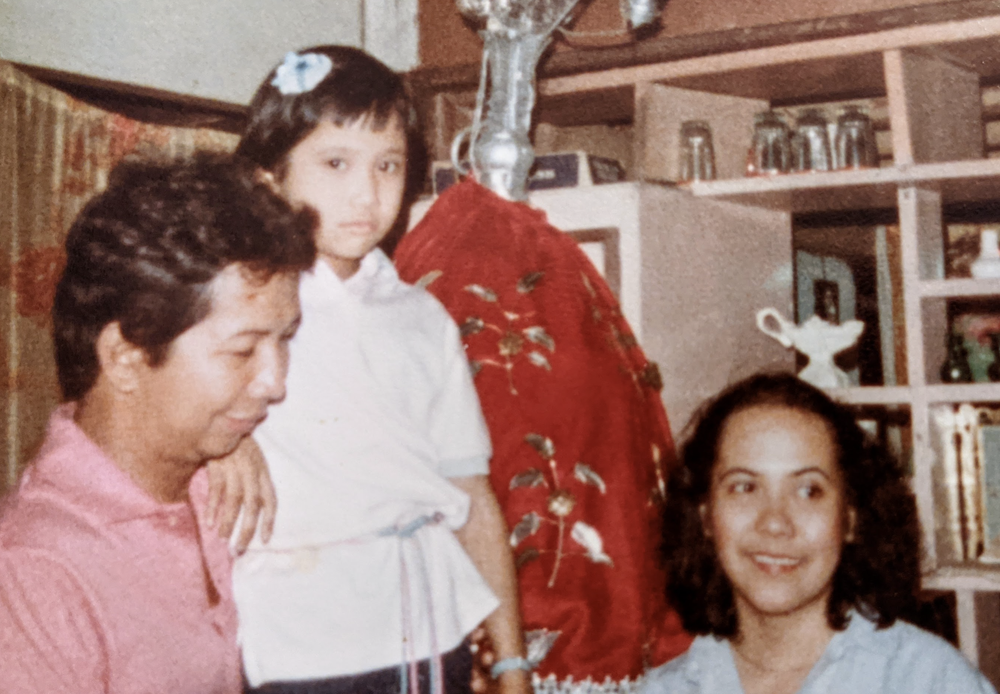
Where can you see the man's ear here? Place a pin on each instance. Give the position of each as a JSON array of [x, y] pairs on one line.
[[120, 360]]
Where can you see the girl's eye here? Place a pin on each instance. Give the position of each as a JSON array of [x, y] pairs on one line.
[[335, 163], [743, 487], [390, 166]]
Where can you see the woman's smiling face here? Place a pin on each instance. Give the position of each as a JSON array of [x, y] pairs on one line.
[[777, 510]]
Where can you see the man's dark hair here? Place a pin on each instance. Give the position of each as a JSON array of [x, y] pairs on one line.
[[879, 570], [144, 251], [358, 87]]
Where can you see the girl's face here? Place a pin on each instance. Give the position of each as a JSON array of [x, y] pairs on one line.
[[354, 177], [777, 510]]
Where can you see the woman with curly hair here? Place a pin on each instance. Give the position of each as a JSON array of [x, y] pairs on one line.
[[793, 550]]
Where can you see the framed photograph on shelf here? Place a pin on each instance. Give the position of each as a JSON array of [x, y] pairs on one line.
[[961, 248], [601, 247]]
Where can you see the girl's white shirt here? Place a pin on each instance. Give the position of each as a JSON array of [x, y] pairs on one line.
[[380, 411]]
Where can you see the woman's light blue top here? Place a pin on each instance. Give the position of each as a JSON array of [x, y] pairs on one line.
[[901, 659]]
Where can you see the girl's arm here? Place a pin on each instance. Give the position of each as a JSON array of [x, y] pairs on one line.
[[485, 538]]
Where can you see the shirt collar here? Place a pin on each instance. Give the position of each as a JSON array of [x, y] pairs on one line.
[[82, 473], [859, 633], [712, 657], [375, 274]]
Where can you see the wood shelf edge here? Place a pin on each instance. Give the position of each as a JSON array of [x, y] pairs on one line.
[[978, 578], [957, 288], [941, 33], [672, 48], [784, 189], [962, 392], [872, 395]]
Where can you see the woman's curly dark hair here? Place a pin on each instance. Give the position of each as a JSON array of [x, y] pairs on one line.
[[879, 571]]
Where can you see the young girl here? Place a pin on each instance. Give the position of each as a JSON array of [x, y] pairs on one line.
[[389, 547], [792, 546]]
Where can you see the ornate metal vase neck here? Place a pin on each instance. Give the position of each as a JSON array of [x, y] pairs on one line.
[[516, 34], [501, 152]]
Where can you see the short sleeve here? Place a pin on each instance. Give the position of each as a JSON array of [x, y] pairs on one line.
[[50, 639], [458, 429]]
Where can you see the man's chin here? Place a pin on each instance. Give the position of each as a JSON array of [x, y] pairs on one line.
[[222, 448]]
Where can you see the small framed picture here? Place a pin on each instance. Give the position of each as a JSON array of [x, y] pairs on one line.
[[601, 247]]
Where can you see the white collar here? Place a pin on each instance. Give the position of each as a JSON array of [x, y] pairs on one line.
[[375, 272]]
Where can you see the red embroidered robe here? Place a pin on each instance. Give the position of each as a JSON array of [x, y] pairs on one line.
[[580, 436]]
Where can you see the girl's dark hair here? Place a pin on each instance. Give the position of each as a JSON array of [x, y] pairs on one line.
[[879, 571], [144, 252], [358, 86]]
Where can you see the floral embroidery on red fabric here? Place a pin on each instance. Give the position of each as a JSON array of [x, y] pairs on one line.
[[560, 503], [512, 337]]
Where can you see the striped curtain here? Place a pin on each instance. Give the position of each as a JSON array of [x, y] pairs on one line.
[[55, 152]]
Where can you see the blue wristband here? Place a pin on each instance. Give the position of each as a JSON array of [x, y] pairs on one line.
[[502, 666]]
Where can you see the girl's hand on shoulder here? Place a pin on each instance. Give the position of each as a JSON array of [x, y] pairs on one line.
[[240, 489]]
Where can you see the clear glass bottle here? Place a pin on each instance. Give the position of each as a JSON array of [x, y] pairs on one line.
[[811, 142], [771, 147], [855, 141], [697, 156]]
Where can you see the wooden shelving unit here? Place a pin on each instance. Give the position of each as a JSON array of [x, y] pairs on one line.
[[697, 260]]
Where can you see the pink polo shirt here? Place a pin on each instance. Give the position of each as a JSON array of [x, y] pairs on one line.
[[103, 588]]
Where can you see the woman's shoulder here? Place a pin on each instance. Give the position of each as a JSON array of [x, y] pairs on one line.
[[919, 661]]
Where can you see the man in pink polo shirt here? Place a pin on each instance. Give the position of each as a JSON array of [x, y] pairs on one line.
[[171, 325]]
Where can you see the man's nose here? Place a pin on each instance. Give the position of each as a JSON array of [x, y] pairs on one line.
[[269, 381]]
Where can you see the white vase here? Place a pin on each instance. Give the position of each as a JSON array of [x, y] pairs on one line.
[[988, 262]]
